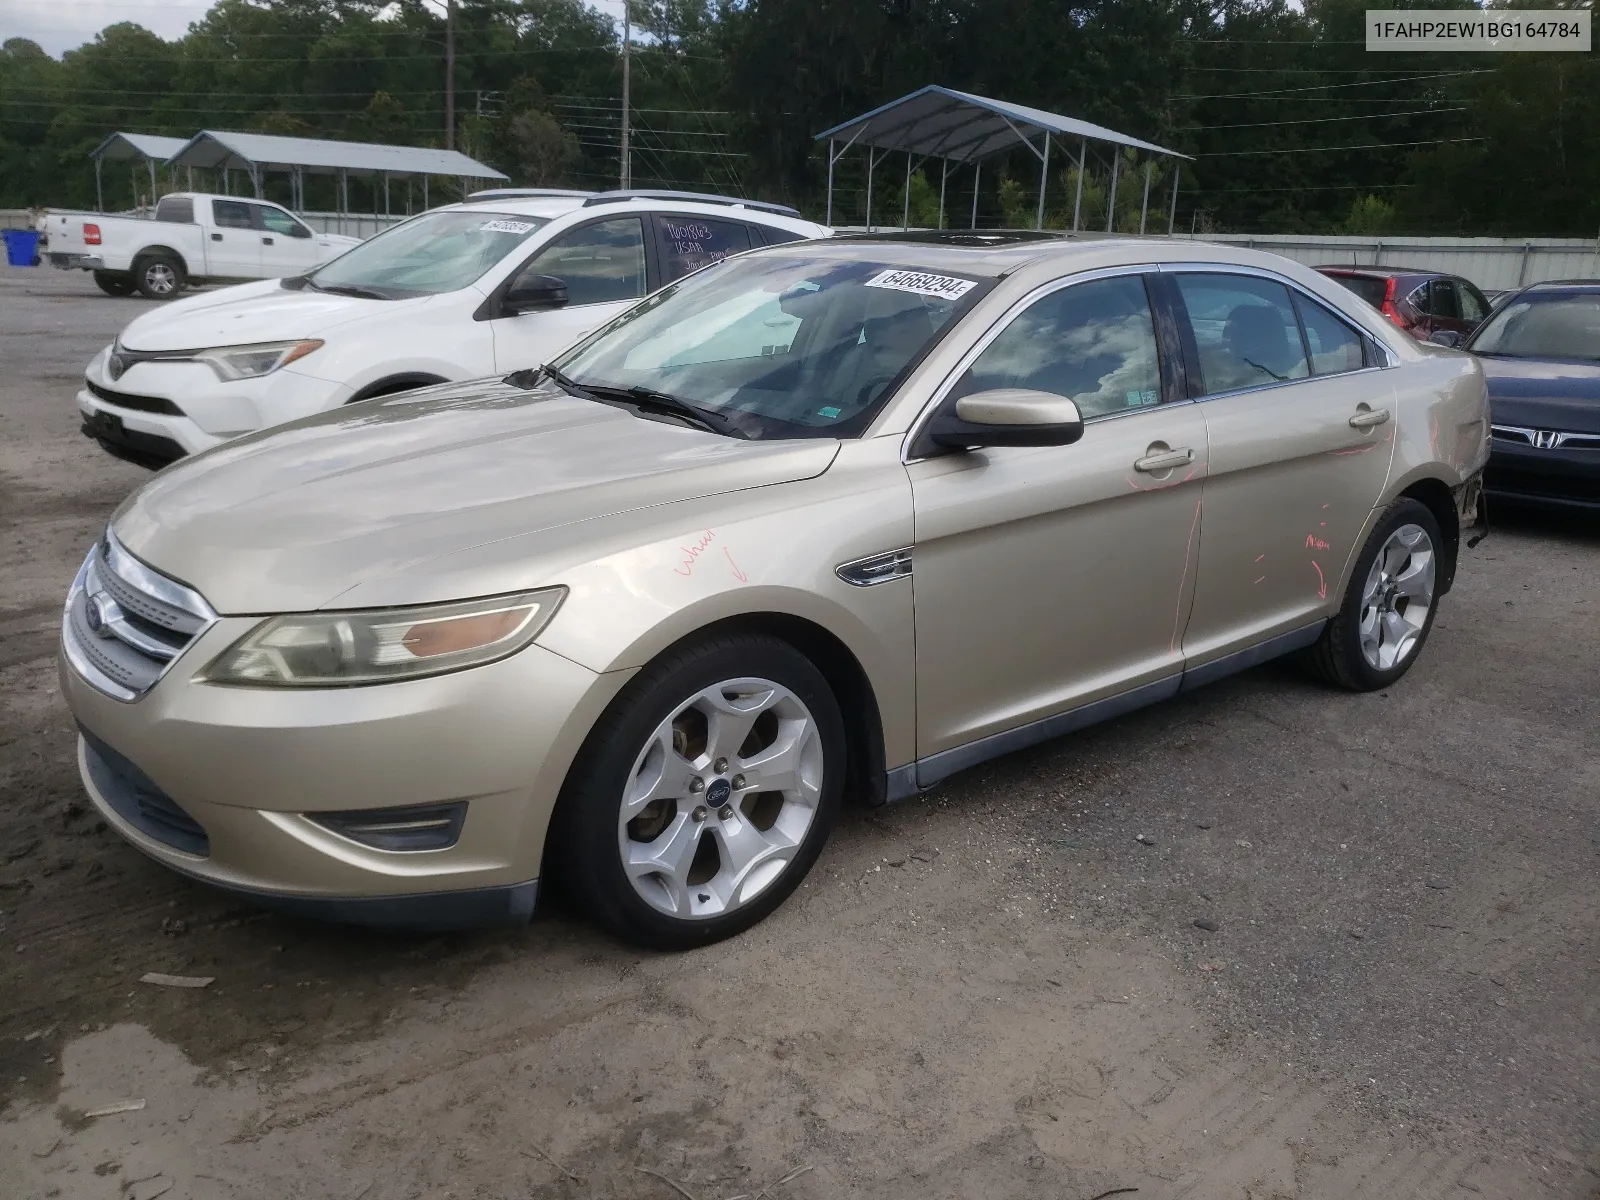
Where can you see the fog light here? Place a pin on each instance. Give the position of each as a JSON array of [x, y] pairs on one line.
[[419, 827]]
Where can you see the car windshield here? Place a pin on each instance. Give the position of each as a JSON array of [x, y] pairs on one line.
[[1369, 289], [436, 252], [777, 346], [1548, 325]]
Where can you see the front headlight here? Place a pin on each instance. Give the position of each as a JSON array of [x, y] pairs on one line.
[[345, 649], [248, 362]]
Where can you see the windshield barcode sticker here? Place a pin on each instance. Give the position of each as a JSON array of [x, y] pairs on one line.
[[946, 286], [505, 227]]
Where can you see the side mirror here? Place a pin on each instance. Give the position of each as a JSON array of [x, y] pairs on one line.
[[1007, 417], [1446, 337], [530, 293], [299, 231]]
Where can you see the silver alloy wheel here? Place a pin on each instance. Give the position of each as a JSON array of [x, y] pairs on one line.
[[160, 277], [1397, 598], [720, 798]]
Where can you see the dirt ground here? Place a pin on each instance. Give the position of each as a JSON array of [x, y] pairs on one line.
[[995, 991]]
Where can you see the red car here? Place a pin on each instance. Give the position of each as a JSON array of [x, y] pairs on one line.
[[1420, 302]]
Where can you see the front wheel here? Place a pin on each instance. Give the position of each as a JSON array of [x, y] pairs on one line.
[[1388, 606], [158, 276], [704, 794]]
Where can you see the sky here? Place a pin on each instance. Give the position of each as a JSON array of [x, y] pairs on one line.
[[59, 25]]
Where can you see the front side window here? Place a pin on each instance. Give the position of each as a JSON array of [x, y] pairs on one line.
[[1244, 329], [275, 220], [231, 214], [600, 263], [1335, 347], [688, 243], [436, 252], [1544, 326], [1094, 343], [783, 347]]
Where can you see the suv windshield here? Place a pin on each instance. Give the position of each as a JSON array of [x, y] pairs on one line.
[[1549, 325], [780, 347], [436, 252]]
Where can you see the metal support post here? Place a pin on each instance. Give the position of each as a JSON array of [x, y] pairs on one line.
[[977, 179], [151, 163], [1111, 206], [99, 194], [1077, 203], [1172, 215], [828, 220], [1044, 178], [944, 173], [872, 158], [386, 210], [425, 203], [905, 215], [1144, 205]]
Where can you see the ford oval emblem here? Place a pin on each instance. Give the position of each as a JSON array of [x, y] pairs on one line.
[[95, 615]]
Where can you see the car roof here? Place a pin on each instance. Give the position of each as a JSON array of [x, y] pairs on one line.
[[1568, 285], [552, 207], [1382, 272]]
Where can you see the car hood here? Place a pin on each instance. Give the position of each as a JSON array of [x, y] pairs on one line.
[[1543, 393], [288, 519], [251, 312]]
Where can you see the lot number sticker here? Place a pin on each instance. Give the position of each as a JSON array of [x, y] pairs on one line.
[[944, 286], [517, 227]]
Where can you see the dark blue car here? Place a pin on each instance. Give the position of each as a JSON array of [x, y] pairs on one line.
[[1540, 350]]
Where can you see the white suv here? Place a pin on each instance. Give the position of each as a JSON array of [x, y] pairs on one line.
[[489, 286]]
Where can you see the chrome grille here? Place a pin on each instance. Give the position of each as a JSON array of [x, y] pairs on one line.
[[1546, 439], [125, 624]]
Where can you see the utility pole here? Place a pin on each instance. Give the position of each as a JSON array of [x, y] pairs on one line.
[[449, 74], [627, 43]]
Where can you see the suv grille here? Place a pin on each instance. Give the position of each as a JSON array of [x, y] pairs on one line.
[[150, 404], [125, 624]]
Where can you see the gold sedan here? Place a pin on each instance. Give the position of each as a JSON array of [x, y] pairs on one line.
[[826, 519]]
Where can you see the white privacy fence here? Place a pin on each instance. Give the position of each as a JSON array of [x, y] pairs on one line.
[[1494, 264]]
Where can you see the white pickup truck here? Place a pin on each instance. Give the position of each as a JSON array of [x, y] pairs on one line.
[[193, 238]]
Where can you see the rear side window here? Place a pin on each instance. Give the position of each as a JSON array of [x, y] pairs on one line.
[[1446, 300], [231, 214], [177, 210], [1474, 307], [688, 243], [1369, 289], [1334, 346], [1245, 330], [1092, 342], [773, 236]]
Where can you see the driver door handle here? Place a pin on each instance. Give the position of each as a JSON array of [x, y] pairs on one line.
[[266, 241], [1164, 461], [1366, 418]]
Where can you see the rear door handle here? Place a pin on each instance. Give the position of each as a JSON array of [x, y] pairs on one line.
[[216, 237], [1165, 461], [1366, 418]]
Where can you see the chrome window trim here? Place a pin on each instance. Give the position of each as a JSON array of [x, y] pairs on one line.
[[1003, 322], [1390, 359]]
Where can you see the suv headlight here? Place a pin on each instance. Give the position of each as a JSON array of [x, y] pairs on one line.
[[248, 362], [345, 649]]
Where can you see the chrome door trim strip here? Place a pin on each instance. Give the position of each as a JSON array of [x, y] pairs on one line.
[[904, 782]]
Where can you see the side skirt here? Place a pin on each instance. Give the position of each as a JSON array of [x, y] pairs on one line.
[[914, 778]]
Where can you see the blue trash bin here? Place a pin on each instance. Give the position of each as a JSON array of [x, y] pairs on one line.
[[22, 247]]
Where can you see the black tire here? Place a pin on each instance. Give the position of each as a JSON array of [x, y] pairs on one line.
[[159, 276], [1337, 657], [584, 859], [114, 283]]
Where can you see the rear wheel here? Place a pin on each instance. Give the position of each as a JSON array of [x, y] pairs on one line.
[[158, 276], [704, 795], [114, 283], [1388, 606]]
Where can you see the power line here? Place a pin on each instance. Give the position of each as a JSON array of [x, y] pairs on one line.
[[1332, 149], [1415, 112]]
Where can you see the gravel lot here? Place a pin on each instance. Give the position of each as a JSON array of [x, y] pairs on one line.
[[994, 991]]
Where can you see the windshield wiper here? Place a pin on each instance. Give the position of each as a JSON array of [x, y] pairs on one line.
[[646, 399], [349, 289], [561, 381]]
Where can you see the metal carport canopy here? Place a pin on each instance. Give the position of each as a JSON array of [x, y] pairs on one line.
[[959, 127], [254, 153], [153, 148]]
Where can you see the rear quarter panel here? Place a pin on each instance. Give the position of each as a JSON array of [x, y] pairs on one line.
[[1442, 419]]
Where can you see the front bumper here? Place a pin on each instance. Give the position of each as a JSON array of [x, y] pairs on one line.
[[222, 783], [159, 411], [1558, 478]]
